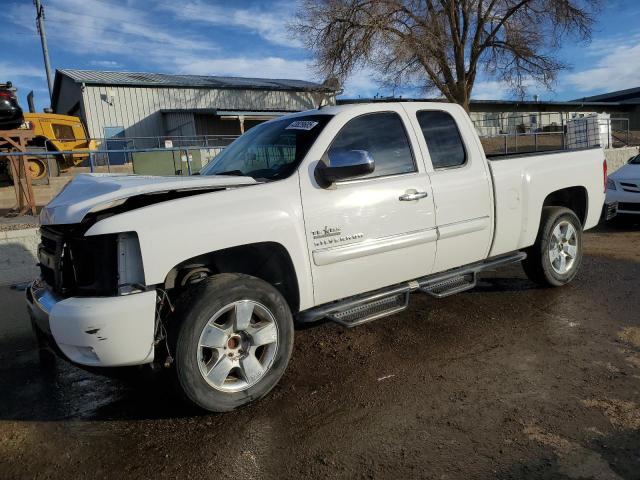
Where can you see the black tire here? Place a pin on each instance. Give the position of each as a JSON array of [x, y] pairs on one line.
[[195, 309], [45, 355], [538, 265]]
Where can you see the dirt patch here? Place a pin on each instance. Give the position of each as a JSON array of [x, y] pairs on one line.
[[621, 413], [630, 335], [575, 460], [631, 358]]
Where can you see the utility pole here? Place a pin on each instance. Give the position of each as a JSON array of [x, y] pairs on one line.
[[43, 40]]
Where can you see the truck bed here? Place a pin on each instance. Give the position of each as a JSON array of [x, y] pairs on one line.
[[522, 184], [509, 156]]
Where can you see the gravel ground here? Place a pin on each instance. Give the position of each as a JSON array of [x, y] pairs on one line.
[[18, 223], [506, 381]]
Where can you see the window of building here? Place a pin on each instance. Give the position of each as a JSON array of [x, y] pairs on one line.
[[443, 139], [383, 136], [514, 119], [491, 120]]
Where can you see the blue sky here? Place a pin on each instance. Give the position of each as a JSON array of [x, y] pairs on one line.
[[249, 38]]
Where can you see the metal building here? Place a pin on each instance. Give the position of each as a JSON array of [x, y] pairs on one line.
[[629, 98], [151, 105]]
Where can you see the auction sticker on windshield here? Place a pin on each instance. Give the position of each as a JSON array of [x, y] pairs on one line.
[[302, 125]]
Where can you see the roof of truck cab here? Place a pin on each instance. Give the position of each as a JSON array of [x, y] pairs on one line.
[[334, 109]]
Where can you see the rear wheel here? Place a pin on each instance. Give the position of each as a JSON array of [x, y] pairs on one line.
[[37, 167], [555, 258], [234, 341]]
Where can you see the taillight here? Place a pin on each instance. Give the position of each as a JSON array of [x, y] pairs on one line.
[[7, 95], [604, 174]]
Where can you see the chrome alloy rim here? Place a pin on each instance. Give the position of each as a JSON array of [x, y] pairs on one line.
[[563, 247], [237, 346]]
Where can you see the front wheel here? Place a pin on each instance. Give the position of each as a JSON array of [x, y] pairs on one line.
[[555, 258], [234, 342]]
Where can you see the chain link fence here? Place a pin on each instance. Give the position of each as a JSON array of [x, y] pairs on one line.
[[511, 133], [166, 155]]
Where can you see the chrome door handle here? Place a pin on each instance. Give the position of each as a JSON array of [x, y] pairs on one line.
[[412, 195]]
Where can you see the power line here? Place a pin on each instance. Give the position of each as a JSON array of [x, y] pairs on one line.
[[43, 41]]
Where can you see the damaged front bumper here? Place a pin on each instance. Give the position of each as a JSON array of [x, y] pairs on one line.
[[97, 331]]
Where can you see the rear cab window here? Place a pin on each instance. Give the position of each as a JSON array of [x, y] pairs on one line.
[[443, 139], [383, 135]]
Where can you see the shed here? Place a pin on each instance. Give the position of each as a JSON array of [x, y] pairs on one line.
[[147, 106]]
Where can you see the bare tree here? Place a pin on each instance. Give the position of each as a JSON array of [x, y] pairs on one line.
[[442, 44]]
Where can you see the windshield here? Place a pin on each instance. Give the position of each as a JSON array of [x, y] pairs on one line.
[[271, 150], [635, 160]]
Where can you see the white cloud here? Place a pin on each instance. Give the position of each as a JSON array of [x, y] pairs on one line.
[[490, 90], [486, 89], [270, 67], [616, 69], [90, 27], [600, 47], [106, 64], [270, 22], [361, 83], [12, 71]]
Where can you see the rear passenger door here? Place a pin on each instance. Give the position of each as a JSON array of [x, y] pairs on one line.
[[461, 184]]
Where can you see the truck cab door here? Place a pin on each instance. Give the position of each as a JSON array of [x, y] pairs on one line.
[[461, 183], [375, 230]]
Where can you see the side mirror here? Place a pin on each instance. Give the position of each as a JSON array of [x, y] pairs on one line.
[[344, 164]]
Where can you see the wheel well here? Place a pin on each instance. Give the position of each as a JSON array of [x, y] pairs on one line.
[[43, 142], [38, 141], [268, 261], [573, 198]]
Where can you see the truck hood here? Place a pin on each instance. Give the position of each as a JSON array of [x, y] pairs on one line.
[[91, 192]]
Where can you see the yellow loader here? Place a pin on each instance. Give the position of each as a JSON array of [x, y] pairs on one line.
[[56, 133]]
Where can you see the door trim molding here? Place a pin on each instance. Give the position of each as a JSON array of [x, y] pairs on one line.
[[328, 256], [463, 227]]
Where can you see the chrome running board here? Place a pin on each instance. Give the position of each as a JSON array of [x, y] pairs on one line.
[[450, 286], [370, 306]]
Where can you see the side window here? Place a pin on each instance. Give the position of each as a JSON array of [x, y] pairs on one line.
[[443, 139], [63, 132], [383, 136]]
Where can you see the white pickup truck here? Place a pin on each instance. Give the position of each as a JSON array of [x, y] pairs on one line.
[[337, 213]]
